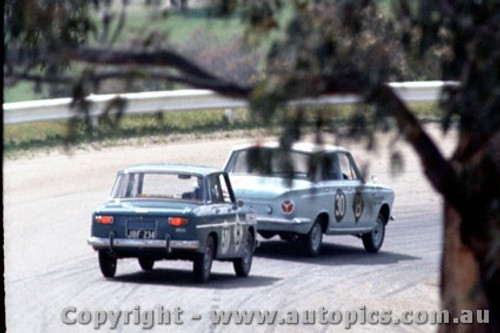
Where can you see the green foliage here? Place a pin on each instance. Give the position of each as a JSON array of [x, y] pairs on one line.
[[466, 35], [33, 30], [103, 131], [20, 138], [293, 49], [129, 27]]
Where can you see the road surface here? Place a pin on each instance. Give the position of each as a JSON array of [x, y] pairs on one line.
[[52, 275]]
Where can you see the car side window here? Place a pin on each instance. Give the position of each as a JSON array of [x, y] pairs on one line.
[[240, 163], [132, 189], [348, 171], [218, 189], [331, 167]]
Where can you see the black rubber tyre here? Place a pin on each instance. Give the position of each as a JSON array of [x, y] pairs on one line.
[[373, 241], [203, 262], [313, 240], [107, 263], [243, 265], [146, 264]]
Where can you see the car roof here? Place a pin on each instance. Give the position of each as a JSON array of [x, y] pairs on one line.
[[201, 170], [302, 146]]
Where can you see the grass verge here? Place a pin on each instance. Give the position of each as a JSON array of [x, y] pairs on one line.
[[20, 139]]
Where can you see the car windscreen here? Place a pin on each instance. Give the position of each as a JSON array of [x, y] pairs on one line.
[[158, 185], [271, 162]]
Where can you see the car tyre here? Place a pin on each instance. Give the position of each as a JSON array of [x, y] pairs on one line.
[[243, 265], [203, 262], [107, 263], [373, 240], [146, 264], [313, 240]]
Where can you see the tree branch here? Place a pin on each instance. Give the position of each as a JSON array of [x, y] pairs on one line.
[[192, 73], [438, 170], [162, 58]]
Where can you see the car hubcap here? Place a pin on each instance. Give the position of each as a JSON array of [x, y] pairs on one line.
[[316, 237], [208, 260], [378, 233], [246, 257]]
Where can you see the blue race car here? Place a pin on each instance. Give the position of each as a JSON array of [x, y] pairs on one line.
[[170, 211]]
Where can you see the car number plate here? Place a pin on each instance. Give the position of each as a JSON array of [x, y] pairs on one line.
[[141, 233]]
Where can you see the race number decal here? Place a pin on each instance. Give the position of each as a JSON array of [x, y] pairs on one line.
[[340, 205], [225, 237], [238, 233], [358, 206]]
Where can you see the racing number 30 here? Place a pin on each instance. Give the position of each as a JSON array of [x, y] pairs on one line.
[[340, 205]]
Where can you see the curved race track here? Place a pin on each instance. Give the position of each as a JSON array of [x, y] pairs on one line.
[[49, 267]]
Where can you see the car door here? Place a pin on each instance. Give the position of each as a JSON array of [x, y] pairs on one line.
[[225, 213], [340, 192], [359, 195]]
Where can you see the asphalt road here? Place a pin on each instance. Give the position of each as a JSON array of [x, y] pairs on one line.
[[49, 268]]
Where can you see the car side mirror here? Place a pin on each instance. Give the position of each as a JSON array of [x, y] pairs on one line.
[[374, 178]]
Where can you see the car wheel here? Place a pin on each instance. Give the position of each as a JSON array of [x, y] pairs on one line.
[[313, 240], [107, 263], [373, 240], [242, 265], [203, 262], [146, 264]]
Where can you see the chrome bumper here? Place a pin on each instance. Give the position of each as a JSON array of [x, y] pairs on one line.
[[295, 221], [101, 242], [297, 225]]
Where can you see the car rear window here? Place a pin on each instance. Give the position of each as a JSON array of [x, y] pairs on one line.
[[155, 185], [271, 162]]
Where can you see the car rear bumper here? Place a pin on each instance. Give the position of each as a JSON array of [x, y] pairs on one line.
[[296, 225], [167, 244]]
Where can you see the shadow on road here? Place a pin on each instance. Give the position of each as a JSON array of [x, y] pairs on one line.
[[331, 254], [184, 278]]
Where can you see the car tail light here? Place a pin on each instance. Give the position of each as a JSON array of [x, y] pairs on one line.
[[287, 207], [178, 221], [104, 219]]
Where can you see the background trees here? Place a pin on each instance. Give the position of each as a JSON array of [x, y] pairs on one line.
[[309, 48]]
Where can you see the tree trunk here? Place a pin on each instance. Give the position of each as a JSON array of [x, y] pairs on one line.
[[461, 287], [470, 274]]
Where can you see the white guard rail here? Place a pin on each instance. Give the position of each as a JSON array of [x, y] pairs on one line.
[[181, 100]]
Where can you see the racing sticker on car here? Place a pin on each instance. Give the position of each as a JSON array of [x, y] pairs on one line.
[[358, 206], [225, 237], [238, 233], [287, 207], [340, 205]]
